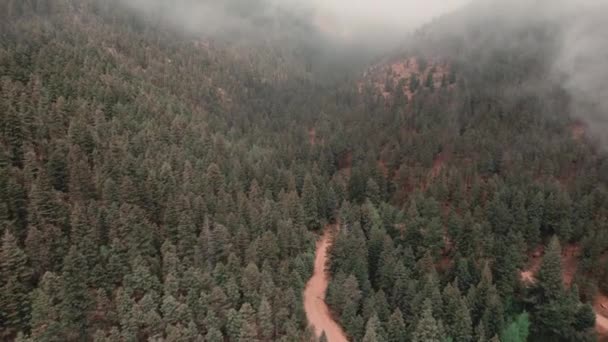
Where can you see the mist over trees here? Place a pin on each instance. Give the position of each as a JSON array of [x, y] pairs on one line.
[[162, 185]]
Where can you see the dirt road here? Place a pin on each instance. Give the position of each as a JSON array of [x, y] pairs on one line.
[[317, 312], [600, 306], [570, 255], [601, 323]]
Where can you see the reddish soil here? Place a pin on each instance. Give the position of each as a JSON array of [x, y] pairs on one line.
[[317, 311], [534, 260], [601, 316], [577, 129], [312, 136], [447, 261], [223, 96], [383, 169], [438, 165], [570, 255], [403, 70], [345, 162]]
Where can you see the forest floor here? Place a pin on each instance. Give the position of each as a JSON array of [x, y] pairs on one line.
[[570, 254], [312, 136], [600, 306], [317, 311]]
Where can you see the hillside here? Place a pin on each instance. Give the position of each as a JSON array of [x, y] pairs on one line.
[[159, 185]]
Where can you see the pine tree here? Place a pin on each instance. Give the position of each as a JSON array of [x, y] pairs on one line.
[[372, 191], [396, 328], [233, 324], [430, 82], [462, 328], [374, 331], [309, 202], [214, 179], [427, 329], [414, 83], [509, 258], [457, 317], [15, 277], [249, 327], [85, 237], [375, 246], [549, 275], [332, 204], [433, 237], [371, 336], [15, 134], [535, 219], [76, 301], [214, 334], [45, 324], [265, 320], [517, 331], [493, 316]]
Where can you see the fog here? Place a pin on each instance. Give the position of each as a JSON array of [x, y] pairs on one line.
[[582, 63], [354, 19], [579, 62], [347, 20]]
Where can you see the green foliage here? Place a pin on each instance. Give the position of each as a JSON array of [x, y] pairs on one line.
[[518, 330], [14, 286], [161, 187], [550, 274], [427, 328], [559, 315]]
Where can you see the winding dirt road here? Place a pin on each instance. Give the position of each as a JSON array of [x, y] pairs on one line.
[[317, 312]]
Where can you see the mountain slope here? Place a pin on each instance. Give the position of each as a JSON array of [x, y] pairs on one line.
[[156, 185]]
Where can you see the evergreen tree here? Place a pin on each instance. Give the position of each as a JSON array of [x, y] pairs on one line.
[[549, 276], [374, 331], [76, 301], [45, 310], [249, 328], [518, 330], [462, 329], [152, 184], [15, 279], [265, 320], [396, 328], [309, 202], [427, 329]]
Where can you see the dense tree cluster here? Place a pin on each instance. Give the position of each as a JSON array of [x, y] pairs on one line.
[[452, 199], [142, 192], [156, 187]]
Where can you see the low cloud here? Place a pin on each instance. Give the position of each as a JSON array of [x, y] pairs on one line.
[[357, 19], [347, 20], [365, 25], [582, 64]]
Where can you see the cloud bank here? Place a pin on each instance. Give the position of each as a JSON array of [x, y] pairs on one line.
[[344, 19], [583, 63], [365, 25], [354, 19]]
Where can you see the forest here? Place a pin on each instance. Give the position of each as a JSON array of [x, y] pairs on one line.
[[161, 186]]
